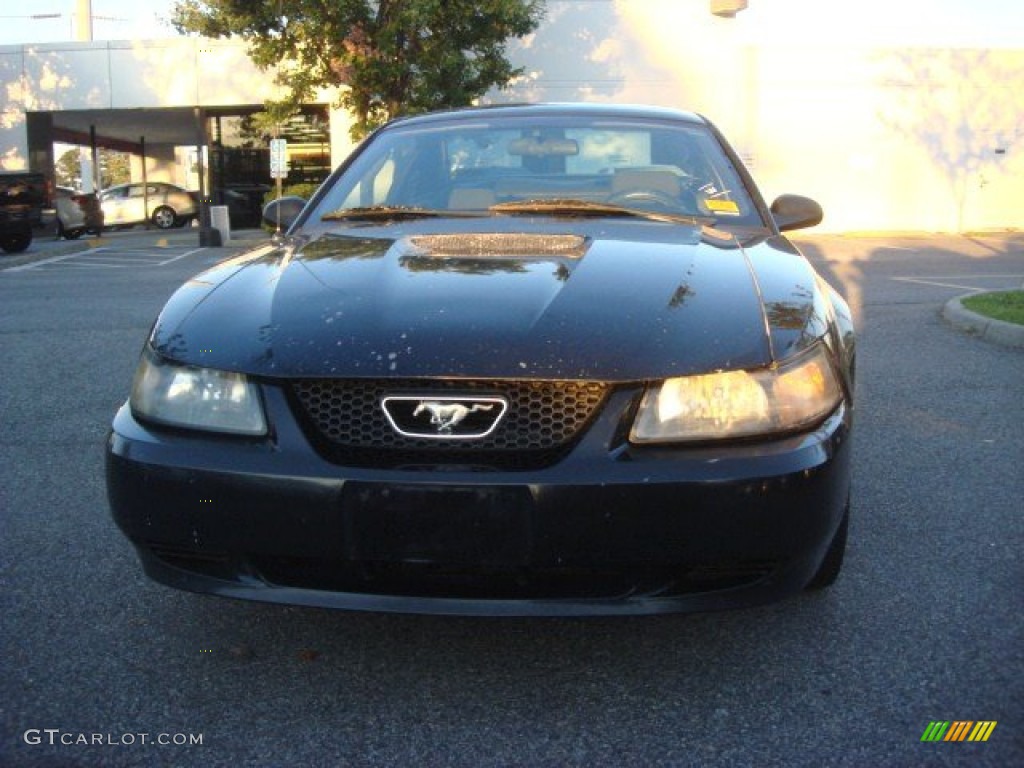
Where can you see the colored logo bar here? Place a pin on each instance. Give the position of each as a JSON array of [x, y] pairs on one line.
[[958, 730]]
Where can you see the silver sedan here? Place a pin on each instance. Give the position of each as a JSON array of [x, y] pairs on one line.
[[166, 205]]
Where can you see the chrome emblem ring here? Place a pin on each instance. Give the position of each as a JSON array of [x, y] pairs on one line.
[[444, 418]]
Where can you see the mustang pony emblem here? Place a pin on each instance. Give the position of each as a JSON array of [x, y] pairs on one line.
[[444, 416]]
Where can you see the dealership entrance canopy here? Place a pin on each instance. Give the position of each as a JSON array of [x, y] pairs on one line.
[[125, 130], [182, 108]]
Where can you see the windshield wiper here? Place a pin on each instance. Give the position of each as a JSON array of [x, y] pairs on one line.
[[391, 213], [573, 207]]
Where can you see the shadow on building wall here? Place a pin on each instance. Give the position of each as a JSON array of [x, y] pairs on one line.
[[38, 89], [962, 109]]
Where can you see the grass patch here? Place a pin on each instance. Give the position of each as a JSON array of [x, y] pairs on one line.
[[1007, 306]]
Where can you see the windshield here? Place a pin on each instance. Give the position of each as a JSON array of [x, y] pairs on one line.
[[501, 166]]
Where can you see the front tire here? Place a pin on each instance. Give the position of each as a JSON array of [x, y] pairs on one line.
[[164, 217], [16, 242]]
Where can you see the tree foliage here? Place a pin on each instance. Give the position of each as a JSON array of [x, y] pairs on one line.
[[67, 169], [395, 57], [115, 168]]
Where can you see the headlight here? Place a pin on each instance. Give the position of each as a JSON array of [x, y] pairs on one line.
[[732, 404], [196, 398]]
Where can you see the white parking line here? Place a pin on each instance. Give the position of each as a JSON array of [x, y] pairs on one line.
[[89, 263], [182, 256], [115, 259], [111, 260], [41, 263], [107, 257], [940, 281], [964, 277]]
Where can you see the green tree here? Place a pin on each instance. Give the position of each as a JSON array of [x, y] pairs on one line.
[[395, 57], [115, 168], [67, 169]]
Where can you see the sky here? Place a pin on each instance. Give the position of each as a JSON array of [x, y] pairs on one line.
[[112, 20], [981, 23]]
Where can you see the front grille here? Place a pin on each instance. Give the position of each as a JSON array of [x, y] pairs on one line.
[[543, 420]]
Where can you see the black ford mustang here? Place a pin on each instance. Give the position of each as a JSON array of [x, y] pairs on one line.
[[514, 360]]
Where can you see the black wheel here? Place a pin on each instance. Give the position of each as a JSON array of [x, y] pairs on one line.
[[16, 242], [829, 569], [164, 217], [72, 234]]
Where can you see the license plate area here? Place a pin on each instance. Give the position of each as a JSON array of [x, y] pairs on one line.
[[444, 524]]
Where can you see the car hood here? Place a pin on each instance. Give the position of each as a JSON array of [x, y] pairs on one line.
[[614, 303]]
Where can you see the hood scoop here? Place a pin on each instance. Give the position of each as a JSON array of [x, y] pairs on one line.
[[499, 245]]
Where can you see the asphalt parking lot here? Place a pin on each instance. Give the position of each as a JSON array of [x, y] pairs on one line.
[[102, 667]]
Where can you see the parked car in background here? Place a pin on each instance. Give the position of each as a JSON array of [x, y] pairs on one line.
[[166, 205], [77, 213], [517, 360], [23, 196]]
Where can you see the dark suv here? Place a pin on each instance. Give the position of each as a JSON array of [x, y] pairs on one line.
[[23, 196]]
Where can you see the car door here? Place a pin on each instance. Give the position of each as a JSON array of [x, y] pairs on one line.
[[135, 203], [112, 201]]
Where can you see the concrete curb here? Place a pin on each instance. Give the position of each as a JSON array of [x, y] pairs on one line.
[[995, 331]]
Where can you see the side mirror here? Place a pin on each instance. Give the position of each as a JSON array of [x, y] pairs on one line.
[[287, 208], [795, 212]]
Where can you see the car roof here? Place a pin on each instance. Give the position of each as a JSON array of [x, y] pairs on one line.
[[554, 109]]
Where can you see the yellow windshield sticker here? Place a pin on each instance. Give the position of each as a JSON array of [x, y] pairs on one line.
[[722, 206]]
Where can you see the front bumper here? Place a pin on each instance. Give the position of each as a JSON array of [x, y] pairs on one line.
[[610, 529]]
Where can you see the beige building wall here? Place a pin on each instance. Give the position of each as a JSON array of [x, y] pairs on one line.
[[13, 132], [162, 164], [886, 138]]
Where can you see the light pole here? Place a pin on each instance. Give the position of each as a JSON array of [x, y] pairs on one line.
[[83, 20]]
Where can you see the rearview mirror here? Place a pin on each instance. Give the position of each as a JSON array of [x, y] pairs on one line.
[[283, 211], [795, 212]]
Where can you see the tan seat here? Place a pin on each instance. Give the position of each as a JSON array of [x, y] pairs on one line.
[[648, 180]]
